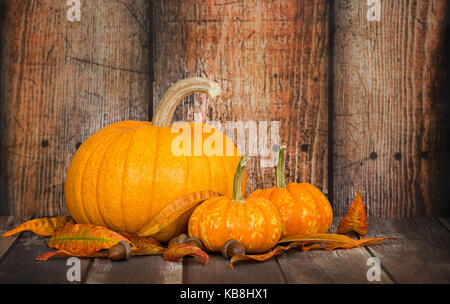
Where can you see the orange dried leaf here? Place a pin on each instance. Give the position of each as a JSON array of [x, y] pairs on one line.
[[47, 255], [332, 241], [174, 210], [176, 253], [143, 245], [355, 218], [42, 226], [262, 257], [373, 241], [84, 239], [326, 241], [71, 222], [319, 238]]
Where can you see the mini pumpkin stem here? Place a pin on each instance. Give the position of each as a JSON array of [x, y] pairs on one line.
[[172, 97], [281, 182], [238, 175]]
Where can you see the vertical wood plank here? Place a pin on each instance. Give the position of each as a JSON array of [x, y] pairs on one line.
[[269, 57], [390, 131], [65, 80]]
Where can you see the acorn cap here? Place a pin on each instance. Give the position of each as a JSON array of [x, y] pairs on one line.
[[120, 251], [180, 239], [194, 242], [232, 248]]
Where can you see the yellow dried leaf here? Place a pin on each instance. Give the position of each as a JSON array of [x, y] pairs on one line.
[[42, 226]]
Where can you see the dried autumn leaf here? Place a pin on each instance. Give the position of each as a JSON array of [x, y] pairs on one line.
[[373, 241], [355, 218], [177, 252], [332, 241], [84, 239], [319, 238], [42, 226], [262, 257], [143, 245], [71, 222], [174, 210], [326, 241]]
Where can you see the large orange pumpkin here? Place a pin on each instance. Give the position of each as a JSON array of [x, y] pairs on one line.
[[303, 207], [254, 222], [125, 173]]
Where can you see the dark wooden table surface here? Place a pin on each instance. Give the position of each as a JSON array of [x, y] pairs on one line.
[[421, 254]]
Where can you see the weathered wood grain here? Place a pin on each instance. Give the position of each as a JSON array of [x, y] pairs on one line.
[[7, 223], [421, 253], [390, 132], [325, 267], [244, 272], [20, 266], [269, 57], [62, 81], [137, 270]]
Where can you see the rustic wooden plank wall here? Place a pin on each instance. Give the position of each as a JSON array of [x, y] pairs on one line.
[[360, 104], [390, 107], [62, 81], [269, 57]]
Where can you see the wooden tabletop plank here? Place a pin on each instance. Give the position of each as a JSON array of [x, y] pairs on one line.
[[137, 270], [20, 266], [7, 223], [217, 272], [419, 255], [319, 266]]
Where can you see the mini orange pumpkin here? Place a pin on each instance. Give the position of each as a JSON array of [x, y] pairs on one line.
[[303, 208], [125, 173], [253, 222]]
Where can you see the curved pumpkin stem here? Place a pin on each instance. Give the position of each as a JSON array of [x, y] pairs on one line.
[[238, 175], [281, 182], [172, 97]]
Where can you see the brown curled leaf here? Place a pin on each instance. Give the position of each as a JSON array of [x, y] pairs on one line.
[[319, 238], [329, 241], [174, 210], [325, 241], [355, 218], [84, 239], [373, 241], [143, 245], [177, 252], [262, 257], [42, 226]]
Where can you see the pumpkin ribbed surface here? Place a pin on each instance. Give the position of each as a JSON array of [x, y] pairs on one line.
[[253, 222], [303, 208], [256, 224], [125, 173]]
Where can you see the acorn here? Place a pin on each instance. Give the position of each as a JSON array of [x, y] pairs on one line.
[[232, 248], [194, 242], [120, 251], [178, 239]]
